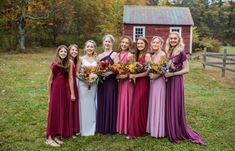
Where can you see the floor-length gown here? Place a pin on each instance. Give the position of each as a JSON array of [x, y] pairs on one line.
[[87, 104], [73, 111], [125, 97], [176, 126], [58, 111], [107, 102], [156, 110], [139, 113]]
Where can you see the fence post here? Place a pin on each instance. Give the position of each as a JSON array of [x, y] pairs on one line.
[[224, 62], [204, 58]]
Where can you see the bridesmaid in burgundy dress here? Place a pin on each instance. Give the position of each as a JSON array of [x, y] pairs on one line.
[[74, 114], [139, 115], [58, 112], [177, 129], [107, 92]]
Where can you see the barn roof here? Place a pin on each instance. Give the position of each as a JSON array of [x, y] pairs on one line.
[[157, 15]]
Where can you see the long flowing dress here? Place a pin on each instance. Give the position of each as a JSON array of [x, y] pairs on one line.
[[125, 97], [58, 112], [107, 102], [73, 111], [139, 113], [176, 126], [156, 110], [87, 104]]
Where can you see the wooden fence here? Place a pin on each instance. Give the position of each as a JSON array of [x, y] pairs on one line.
[[227, 59]]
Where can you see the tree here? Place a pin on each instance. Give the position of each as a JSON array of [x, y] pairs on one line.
[[19, 11]]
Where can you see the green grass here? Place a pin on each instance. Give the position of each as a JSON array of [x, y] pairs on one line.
[[210, 107], [230, 50]]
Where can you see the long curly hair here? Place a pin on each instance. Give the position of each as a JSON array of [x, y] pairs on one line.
[[62, 63], [170, 50]]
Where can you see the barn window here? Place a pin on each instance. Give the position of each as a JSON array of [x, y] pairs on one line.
[[139, 31], [176, 29]]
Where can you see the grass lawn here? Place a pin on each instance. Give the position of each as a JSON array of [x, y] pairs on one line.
[[210, 107]]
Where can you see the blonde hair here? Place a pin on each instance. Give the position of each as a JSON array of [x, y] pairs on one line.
[[94, 44], [174, 50], [156, 37], [110, 37]]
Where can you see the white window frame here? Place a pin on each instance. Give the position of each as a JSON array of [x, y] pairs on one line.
[[134, 34], [177, 28]]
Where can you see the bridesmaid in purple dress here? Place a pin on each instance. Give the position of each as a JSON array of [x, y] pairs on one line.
[[177, 129], [107, 91], [157, 95], [125, 88]]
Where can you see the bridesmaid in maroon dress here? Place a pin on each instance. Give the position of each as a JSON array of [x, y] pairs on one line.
[[58, 112], [107, 92], [74, 114], [139, 115], [177, 129]]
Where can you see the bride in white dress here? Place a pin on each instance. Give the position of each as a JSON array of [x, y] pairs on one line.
[[87, 92]]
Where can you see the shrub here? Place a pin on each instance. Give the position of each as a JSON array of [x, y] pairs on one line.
[[212, 45]]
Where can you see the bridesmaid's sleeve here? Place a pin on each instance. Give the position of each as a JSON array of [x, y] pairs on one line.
[[53, 68], [183, 56]]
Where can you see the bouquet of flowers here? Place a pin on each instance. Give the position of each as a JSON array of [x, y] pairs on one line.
[[87, 74], [164, 65], [102, 67], [151, 67], [119, 68], [135, 68]]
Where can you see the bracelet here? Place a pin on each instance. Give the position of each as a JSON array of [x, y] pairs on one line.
[[173, 73]]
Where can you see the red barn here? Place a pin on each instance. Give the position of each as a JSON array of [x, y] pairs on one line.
[[149, 21]]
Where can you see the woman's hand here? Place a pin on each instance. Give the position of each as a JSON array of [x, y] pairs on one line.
[[169, 74], [122, 76], [153, 76], [107, 74], [73, 97]]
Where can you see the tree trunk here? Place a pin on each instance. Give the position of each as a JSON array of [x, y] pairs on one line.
[[21, 34]]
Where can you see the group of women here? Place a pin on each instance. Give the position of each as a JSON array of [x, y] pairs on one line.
[[152, 105]]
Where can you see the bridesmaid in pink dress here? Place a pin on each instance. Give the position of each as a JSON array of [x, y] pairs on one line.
[[74, 114], [139, 113], [156, 112], [125, 88], [58, 111]]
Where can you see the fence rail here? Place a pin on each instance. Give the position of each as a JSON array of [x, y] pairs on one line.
[[221, 65]]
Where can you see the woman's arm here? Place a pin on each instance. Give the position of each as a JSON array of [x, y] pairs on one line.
[[49, 82], [78, 67], [184, 70], [71, 86]]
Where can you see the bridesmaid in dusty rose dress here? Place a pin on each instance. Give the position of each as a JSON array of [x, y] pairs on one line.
[[125, 88], [177, 129], [156, 111], [139, 113]]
